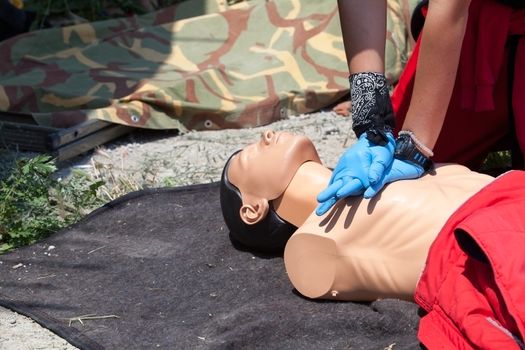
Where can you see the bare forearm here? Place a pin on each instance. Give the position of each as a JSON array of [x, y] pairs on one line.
[[438, 61], [363, 23]]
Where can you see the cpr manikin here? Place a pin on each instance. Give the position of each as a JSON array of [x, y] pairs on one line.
[[360, 250]]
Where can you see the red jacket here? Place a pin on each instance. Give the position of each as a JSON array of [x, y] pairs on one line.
[[473, 284]]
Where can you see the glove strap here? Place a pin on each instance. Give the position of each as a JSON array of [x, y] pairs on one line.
[[371, 106]]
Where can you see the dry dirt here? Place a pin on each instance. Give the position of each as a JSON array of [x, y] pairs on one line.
[[169, 159]]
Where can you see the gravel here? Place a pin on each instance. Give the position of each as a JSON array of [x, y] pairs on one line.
[[163, 158]]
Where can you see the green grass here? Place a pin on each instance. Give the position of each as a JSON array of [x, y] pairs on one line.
[[34, 204]]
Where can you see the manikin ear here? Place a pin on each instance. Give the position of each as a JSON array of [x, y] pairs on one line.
[[254, 212]]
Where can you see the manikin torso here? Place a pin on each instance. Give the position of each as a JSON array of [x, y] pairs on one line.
[[361, 249], [369, 249]]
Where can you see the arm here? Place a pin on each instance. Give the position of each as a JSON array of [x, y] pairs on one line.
[[441, 41], [438, 61], [363, 168], [363, 24]]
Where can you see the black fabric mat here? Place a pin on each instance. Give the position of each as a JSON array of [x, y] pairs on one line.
[[161, 261]]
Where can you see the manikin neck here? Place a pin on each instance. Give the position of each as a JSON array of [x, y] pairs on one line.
[[299, 199]]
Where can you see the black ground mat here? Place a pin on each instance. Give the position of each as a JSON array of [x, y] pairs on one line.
[[155, 270]]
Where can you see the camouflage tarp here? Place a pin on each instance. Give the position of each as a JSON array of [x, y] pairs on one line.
[[198, 65]]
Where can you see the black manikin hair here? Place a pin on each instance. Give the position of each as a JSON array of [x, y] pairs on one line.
[[267, 236]]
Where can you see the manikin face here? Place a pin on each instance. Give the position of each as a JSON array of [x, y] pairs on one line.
[[263, 170]]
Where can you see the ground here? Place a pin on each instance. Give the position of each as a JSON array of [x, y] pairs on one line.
[[174, 160]]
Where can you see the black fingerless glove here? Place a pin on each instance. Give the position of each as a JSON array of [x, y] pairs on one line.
[[371, 106]]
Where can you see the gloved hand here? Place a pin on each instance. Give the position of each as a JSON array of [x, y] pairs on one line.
[[398, 170], [362, 165]]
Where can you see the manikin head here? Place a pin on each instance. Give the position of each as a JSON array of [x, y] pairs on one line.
[[255, 176]]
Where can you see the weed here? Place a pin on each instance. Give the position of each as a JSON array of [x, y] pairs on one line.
[[496, 163], [116, 182], [501, 159], [33, 204]]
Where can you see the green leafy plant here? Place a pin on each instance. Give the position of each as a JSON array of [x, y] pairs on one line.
[[496, 163], [33, 204], [500, 159]]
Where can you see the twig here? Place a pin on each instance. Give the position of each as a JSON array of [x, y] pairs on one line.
[[94, 250], [88, 317]]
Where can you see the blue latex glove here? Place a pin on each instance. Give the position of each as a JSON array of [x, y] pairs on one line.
[[398, 170], [361, 166]]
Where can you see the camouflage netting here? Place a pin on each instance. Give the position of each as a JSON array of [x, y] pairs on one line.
[[201, 64]]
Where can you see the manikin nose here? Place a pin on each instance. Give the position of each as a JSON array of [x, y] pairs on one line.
[[268, 136]]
